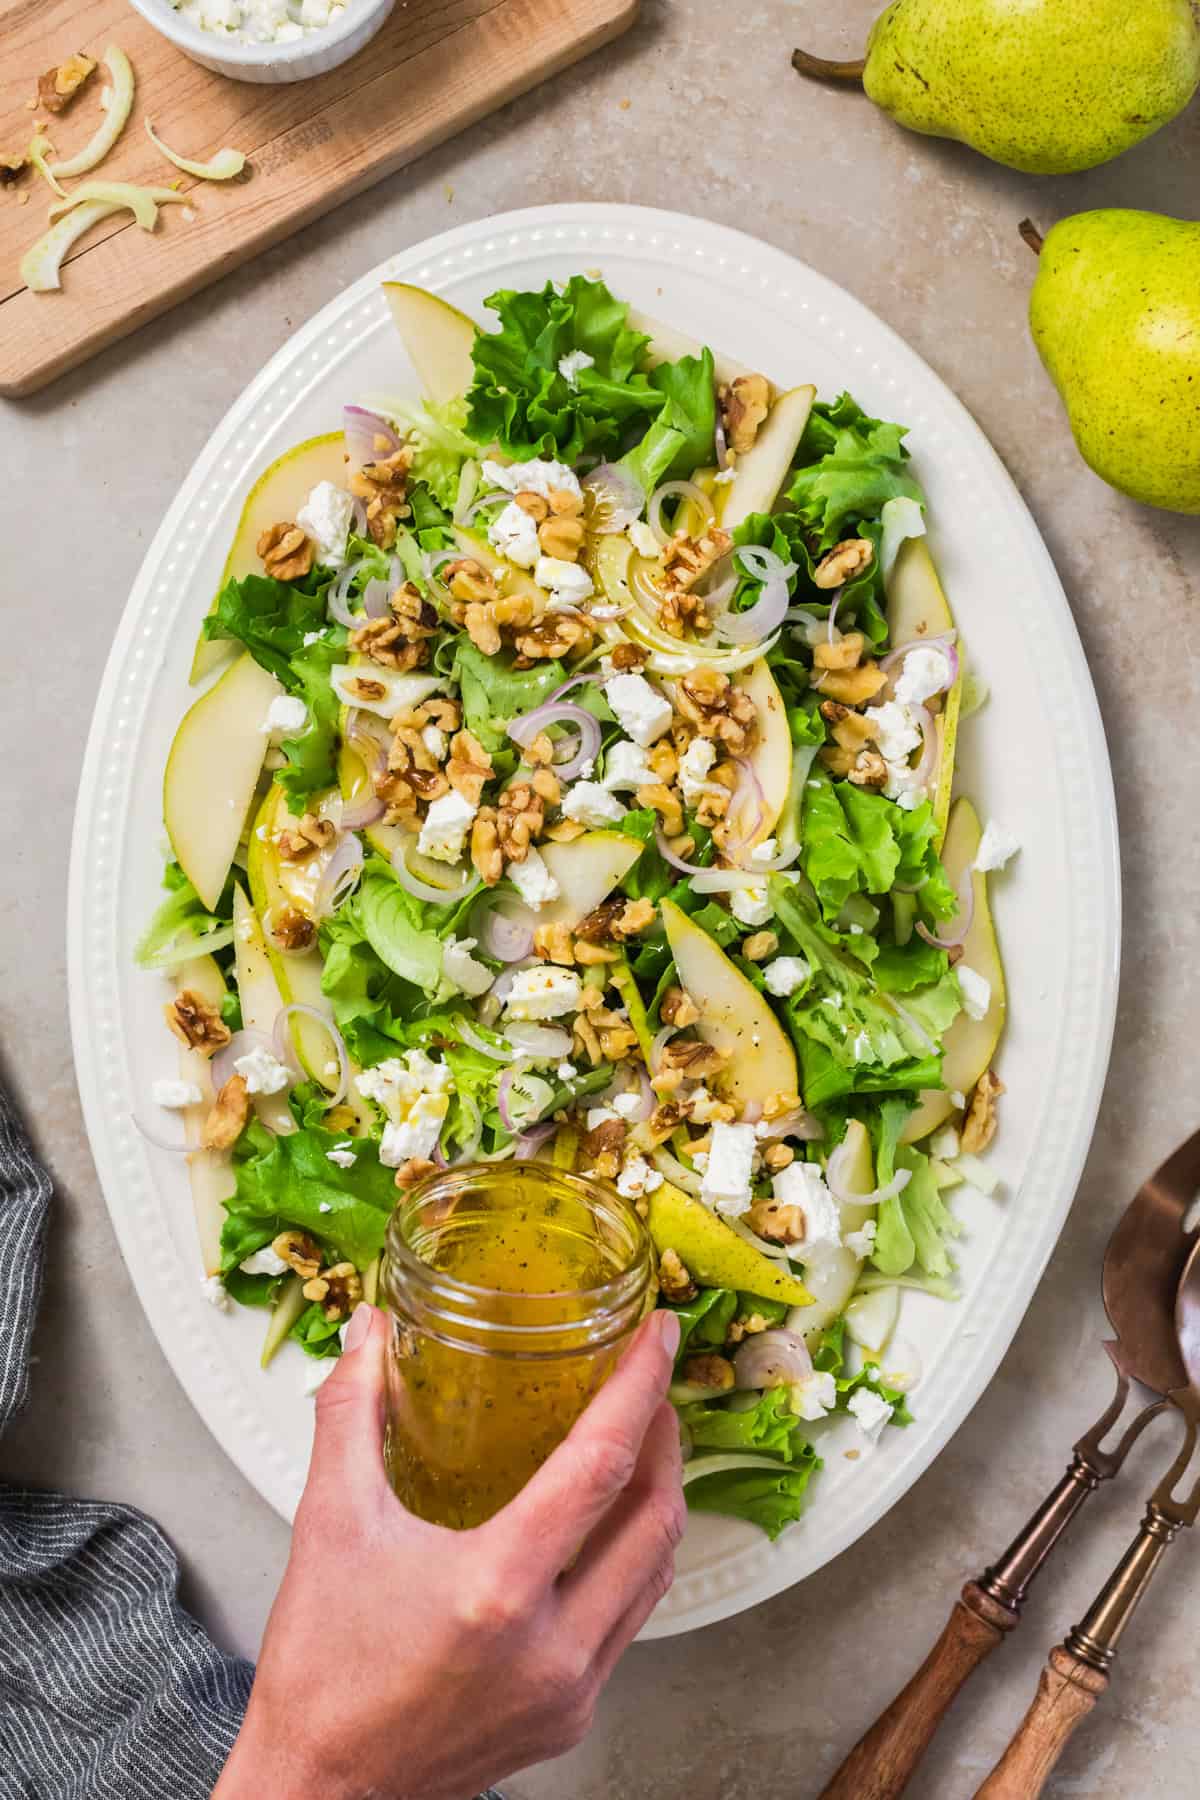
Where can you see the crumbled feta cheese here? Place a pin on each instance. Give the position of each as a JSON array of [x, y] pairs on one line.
[[802, 1185], [533, 880], [397, 1084], [638, 1178], [643, 540], [571, 366], [213, 1289], [694, 766], [861, 1242], [567, 582], [705, 1107], [996, 847], [219, 15], [642, 712], [726, 1182], [444, 832], [175, 1094], [419, 1133], [599, 1115], [435, 741], [327, 516], [287, 715], [813, 1396], [871, 1410], [314, 12], [627, 1106], [896, 735], [926, 671], [262, 1072], [591, 804], [751, 904], [625, 766], [543, 993], [567, 1071], [764, 852], [264, 1262], [534, 477], [976, 990], [514, 534], [784, 974], [944, 1144], [343, 1159], [468, 974]]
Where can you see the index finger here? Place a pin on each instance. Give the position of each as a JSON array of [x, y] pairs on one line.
[[580, 1481]]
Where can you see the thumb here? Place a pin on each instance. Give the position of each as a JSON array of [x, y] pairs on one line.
[[350, 1410]]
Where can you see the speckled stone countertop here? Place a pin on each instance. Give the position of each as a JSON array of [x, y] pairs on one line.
[[696, 109]]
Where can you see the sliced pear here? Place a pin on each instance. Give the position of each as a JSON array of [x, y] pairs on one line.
[[668, 345], [437, 339], [712, 1254], [762, 471], [830, 1277], [771, 757], [352, 780], [279, 493], [275, 885], [917, 608], [733, 1014], [871, 1318], [287, 1309], [586, 871], [969, 1043], [261, 1002], [211, 1171], [212, 770]]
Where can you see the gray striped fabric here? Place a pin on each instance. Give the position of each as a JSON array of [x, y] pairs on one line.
[[108, 1690]]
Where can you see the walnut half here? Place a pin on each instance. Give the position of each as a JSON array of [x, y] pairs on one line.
[[196, 1023], [58, 87], [286, 552]]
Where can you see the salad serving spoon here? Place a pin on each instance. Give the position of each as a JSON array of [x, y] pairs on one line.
[[1143, 1263]]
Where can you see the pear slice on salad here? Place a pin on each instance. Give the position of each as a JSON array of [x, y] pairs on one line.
[[212, 770], [586, 870], [771, 758], [762, 471], [211, 1171], [279, 493], [830, 1275], [733, 1014], [712, 1254], [437, 339], [917, 608], [260, 998], [509, 579], [969, 1044], [668, 345]]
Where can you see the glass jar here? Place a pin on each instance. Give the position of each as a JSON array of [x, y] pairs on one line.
[[512, 1288]]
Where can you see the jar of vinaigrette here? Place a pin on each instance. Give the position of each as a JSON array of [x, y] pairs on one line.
[[512, 1288]]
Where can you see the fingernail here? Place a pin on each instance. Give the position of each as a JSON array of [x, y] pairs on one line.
[[668, 1332], [358, 1328]]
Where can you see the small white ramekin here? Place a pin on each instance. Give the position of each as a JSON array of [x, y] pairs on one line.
[[314, 54]]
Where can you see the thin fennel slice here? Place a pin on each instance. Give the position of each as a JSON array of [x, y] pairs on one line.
[[38, 148], [222, 167], [41, 263], [142, 202], [112, 125]]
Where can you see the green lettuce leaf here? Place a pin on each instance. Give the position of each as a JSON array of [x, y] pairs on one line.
[[771, 1498], [682, 435], [282, 1183], [848, 840], [770, 1427], [312, 754], [182, 924], [271, 618], [494, 692], [850, 466]]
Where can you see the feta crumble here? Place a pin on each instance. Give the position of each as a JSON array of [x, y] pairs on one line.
[[262, 1072], [264, 1262], [444, 832], [694, 767], [175, 1094], [813, 1396], [591, 804], [625, 766], [784, 974], [638, 1178], [802, 1185], [287, 715], [643, 540], [537, 476], [751, 904], [533, 880], [728, 1170], [572, 365], [513, 533], [871, 1411], [468, 974], [926, 671], [342, 1159], [642, 712], [567, 582], [213, 1289], [326, 517], [543, 993], [996, 847], [976, 990]]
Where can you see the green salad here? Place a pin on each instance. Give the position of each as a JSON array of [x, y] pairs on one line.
[[572, 778]]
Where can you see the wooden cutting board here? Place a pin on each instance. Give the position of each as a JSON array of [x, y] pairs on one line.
[[436, 66]]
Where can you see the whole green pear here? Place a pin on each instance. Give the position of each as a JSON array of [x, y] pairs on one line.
[[1042, 85], [1115, 314]]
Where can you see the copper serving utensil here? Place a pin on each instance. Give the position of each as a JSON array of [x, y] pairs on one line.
[[1142, 1268], [1077, 1671]]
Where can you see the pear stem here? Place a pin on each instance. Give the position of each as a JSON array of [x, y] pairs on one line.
[[1032, 235], [820, 68]]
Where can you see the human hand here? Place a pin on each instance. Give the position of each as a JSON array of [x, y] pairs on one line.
[[403, 1661]]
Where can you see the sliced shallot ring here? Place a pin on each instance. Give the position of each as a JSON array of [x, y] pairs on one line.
[[671, 490]]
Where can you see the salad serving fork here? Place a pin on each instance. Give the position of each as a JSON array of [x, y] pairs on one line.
[[1141, 1279]]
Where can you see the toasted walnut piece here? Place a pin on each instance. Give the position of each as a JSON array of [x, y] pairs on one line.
[[13, 165], [298, 842], [553, 944], [760, 945], [535, 505], [609, 1135], [713, 804], [383, 484], [663, 759], [666, 803], [564, 504], [547, 786], [470, 766], [844, 653], [416, 616], [744, 1328], [285, 552], [744, 405], [843, 563], [558, 634], [486, 855], [869, 771], [778, 1156], [979, 1124], [445, 714], [521, 817], [292, 929], [540, 754], [482, 629], [678, 1008], [394, 790], [565, 831], [618, 1041], [709, 701], [851, 730], [778, 1224], [835, 759], [227, 1120], [853, 686], [674, 1283], [58, 87], [387, 643], [711, 1371], [586, 1041], [692, 1057], [562, 538], [627, 658], [196, 1023], [300, 1252], [636, 915], [408, 751], [413, 1171], [469, 580], [667, 1117], [338, 1290], [777, 1105], [607, 1166], [685, 559]]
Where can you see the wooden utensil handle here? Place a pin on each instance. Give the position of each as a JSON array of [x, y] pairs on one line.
[[1067, 1691], [881, 1763]]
